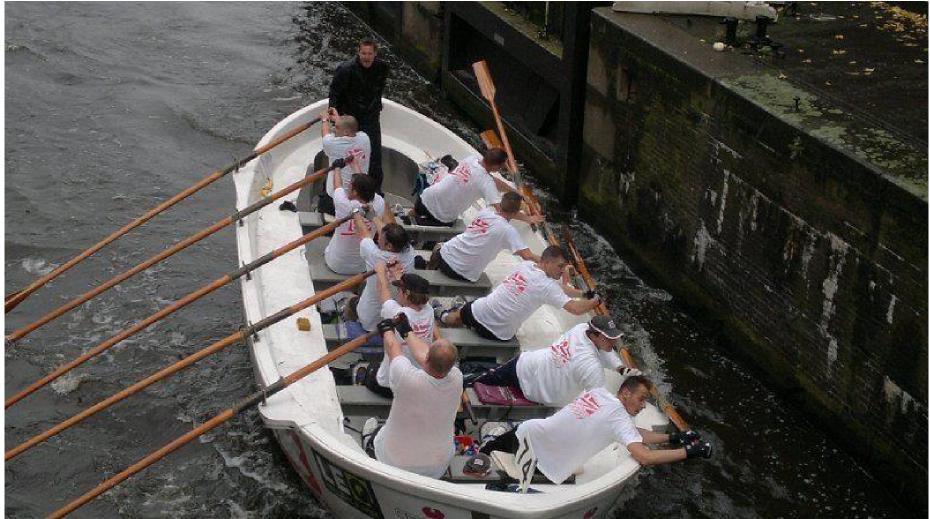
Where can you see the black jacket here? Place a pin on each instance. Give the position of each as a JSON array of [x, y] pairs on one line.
[[356, 90]]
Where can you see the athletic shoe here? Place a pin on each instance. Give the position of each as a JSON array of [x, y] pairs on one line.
[[438, 309]]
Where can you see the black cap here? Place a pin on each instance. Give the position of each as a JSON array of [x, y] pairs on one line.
[[478, 465], [413, 283], [606, 326]]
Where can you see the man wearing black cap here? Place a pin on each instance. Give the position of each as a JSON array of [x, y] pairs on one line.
[[575, 362], [412, 301]]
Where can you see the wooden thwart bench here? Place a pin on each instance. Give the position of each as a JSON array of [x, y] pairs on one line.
[[440, 284], [469, 343], [311, 220], [360, 401]]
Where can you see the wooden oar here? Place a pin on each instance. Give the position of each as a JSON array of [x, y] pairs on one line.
[[187, 242], [161, 314], [14, 299], [225, 416], [488, 91], [601, 309], [581, 267], [174, 368]]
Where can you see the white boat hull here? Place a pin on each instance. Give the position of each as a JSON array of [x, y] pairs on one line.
[[307, 418]]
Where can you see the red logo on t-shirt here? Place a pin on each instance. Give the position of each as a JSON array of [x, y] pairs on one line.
[[358, 155], [584, 406], [561, 353], [350, 228], [478, 225], [422, 330], [463, 172], [516, 283]]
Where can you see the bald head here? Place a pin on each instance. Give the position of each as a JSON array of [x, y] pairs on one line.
[[346, 125], [441, 358]]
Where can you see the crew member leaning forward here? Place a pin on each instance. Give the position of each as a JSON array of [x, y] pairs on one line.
[[442, 203], [498, 315], [575, 362], [561, 444], [465, 256]]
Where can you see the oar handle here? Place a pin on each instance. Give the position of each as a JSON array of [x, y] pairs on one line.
[[174, 307], [13, 300], [248, 402]]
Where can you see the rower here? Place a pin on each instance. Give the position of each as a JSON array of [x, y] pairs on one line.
[[344, 140], [417, 435], [561, 444], [393, 247], [556, 375], [413, 301], [498, 315], [465, 256], [442, 203], [342, 253]]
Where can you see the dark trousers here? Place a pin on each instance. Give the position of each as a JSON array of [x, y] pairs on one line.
[[468, 319], [506, 442], [424, 217], [446, 269], [372, 127], [371, 381], [503, 375]]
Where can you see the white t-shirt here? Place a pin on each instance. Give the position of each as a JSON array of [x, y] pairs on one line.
[[453, 192], [369, 304], [470, 252], [418, 433], [516, 298], [342, 253], [566, 440], [421, 322], [558, 374], [340, 148]]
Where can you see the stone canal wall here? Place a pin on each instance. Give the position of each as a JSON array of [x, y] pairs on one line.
[[769, 209], [765, 215]]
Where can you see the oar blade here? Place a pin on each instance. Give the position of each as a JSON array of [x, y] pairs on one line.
[[485, 84], [490, 139]]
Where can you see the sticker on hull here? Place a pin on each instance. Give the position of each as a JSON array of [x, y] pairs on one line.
[[350, 488]]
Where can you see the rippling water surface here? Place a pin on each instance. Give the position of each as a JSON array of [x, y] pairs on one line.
[[112, 108]]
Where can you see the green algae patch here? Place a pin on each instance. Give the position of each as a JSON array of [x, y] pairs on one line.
[[901, 162]]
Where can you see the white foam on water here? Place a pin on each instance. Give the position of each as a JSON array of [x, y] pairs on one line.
[[37, 266], [68, 383], [241, 464]]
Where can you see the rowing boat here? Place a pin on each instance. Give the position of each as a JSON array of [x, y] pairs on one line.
[[317, 420]]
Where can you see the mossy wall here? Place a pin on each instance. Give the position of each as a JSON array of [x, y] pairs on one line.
[[811, 256]]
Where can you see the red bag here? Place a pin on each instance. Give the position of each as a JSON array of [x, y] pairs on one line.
[[501, 395]]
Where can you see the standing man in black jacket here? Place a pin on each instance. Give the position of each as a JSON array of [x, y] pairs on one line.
[[356, 90]]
